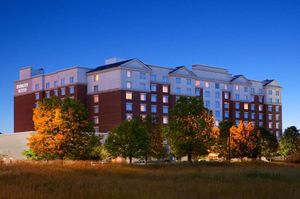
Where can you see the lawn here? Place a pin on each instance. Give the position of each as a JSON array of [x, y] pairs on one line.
[[203, 180]]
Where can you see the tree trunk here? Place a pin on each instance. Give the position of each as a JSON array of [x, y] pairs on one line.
[[130, 159], [146, 159], [189, 157]]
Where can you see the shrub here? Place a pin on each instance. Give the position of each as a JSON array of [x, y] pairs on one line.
[[294, 158]]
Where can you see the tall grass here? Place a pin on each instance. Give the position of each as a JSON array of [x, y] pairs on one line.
[[83, 180]]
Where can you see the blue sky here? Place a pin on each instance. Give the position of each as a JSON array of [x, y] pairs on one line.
[[260, 39]]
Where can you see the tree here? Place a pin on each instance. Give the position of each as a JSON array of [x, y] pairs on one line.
[[243, 141], [63, 130], [223, 146], [129, 140], [290, 142], [190, 128], [267, 145]]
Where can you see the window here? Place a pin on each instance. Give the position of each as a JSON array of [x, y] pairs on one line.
[[48, 85], [260, 123], [153, 77], [226, 114], [153, 98], [270, 108], [37, 86], [277, 125], [55, 84], [260, 107], [63, 91], [225, 86], [178, 90], [143, 107], [165, 89], [197, 92], [96, 77], [165, 109], [236, 87], [217, 104], [252, 90], [129, 95], [270, 125], [252, 107], [246, 115], [153, 108], [206, 84], [189, 91], [207, 94], [96, 98], [246, 97], [237, 122], [128, 106], [253, 116], [71, 80], [237, 97], [270, 92], [260, 116], [142, 75], [217, 86], [237, 105], [277, 117], [128, 73], [277, 93], [96, 129], [260, 99], [261, 91], [143, 116], [217, 95], [56, 92], [226, 96], [165, 119], [217, 114], [197, 83], [189, 82], [246, 106], [251, 98], [165, 79], [226, 105], [143, 86], [277, 109], [246, 89], [96, 109], [178, 80], [165, 99], [237, 114], [128, 85], [62, 82], [128, 116], [270, 100], [96, 120], [207, 103], [153, 87], [143, 96], [72, 90], [37, 96], [277, 101], [96, 88], [270, 116]]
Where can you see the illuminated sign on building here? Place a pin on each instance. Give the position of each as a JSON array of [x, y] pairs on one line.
[[22, 88]]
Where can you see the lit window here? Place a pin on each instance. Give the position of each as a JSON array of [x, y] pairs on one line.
[[129, 95], [236, 87], [165, 109], [63, 91], [237, 114], [142, 75], [153, 87], [96, 120], [260, 107], [48, 85], [62, 81], [143, 116], [96, 88], [165, 89], [237, 105], [72, 90], [128, 106], [37, 86], [71, 80], [37, 96], [47, 94], [153, 98], [96, 77], [178, 90], [189, 82], [246, 106], [165, 120], [143, 107], [197, 83], [96, 98], [143, 86], [217, 86], [128, 73], [226, 96], [56, 92], [270, 125], [153, 77], [96, 109], [153, 108], [206, 84], [178, 80], [143, 96], [165, 99], [128, 85], [128, 116]]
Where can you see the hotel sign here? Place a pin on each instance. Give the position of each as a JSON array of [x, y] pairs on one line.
[[22, 88]]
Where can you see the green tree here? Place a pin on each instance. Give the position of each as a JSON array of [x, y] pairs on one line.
[[267, 145], [289, 143], [62, 130], [223, 146], [129, 140], [190, 129]]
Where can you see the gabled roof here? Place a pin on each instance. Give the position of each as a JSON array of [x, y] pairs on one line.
[[267, 81], [191, 73], [107, 66], [238, 76], [175, 69]]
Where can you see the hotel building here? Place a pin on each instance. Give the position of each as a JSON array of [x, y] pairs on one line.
[[121, 90]]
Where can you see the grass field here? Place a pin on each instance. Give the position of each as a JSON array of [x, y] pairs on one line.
[[203, 180]]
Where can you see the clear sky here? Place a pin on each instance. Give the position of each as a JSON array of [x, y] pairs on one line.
[[257, 38]]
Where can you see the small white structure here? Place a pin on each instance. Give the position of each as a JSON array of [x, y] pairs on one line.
[[12, 145]]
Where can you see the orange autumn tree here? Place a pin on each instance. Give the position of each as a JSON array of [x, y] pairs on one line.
[[62, 130], [243, 141]]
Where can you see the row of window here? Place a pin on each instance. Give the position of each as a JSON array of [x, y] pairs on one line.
[[270, 125], [143, 97], [247, 115], [129, 117], [56, 92], [143, 108], [55, 83]]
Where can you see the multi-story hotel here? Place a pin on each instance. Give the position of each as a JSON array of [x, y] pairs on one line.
[[120, 90]]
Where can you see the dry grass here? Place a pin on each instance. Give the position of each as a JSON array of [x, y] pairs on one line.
[[213, 180]]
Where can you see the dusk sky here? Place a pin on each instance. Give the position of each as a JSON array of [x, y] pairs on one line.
[[259, 39]]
